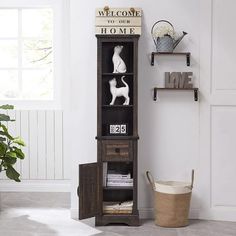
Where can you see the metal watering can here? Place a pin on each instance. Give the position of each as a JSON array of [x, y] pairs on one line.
[[165, 43]]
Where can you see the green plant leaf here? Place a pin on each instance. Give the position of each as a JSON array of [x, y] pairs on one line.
[[4, 127], [4, 117], [6, 134], [11, 154], [12, 173], [19, 141], [19, 153], [9, 160], [7, 107], [2, 139], [3, 148]]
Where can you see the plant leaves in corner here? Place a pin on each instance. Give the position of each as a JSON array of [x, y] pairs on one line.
[[7, 107], [19, 153], [4, 117], [19, 141], [12, 174]]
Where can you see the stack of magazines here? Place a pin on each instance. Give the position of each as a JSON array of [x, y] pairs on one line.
[[112, 178], [119, 180], [118, 208]]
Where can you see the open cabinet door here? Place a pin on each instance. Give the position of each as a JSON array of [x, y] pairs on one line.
[[89, 190]]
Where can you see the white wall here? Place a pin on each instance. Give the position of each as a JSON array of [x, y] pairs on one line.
[[169, 128]]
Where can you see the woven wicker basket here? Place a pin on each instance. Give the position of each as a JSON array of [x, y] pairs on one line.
[[172, 202]]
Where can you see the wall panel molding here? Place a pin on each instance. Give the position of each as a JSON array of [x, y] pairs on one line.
[[223, 47], [222, 168], [42, 132]]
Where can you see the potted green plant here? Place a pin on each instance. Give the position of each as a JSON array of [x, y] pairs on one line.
[[10, 147]]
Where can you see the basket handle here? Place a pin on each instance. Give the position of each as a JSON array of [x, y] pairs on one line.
[[192, 179], [150, 179]]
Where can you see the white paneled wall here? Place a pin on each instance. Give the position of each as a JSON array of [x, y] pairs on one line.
[[217, 110], [42, 132]]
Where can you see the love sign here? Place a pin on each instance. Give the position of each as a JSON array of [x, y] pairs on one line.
[[178, 80]]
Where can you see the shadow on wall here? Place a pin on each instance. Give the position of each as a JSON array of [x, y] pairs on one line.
[[147, 122]]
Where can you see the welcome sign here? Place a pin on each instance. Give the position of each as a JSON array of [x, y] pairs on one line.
[[124, 21]]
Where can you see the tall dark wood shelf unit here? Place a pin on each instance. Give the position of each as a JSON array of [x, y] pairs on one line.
[[118, 153]]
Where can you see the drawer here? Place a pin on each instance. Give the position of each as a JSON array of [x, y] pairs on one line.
[[113, 150]]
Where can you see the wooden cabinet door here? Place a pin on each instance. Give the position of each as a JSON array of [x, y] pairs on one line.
[[89, 190]]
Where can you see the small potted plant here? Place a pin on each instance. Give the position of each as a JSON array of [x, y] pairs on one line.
[[10, 147], [164, 36]]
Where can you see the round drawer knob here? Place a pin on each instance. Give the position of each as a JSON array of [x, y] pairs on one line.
[[117, 150]]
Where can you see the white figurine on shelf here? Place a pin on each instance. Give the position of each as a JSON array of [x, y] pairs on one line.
[[118, 63], [119, 92]]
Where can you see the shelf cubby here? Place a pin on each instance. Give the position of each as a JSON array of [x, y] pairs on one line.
[[106, 94], [117, 116], [126, 54]]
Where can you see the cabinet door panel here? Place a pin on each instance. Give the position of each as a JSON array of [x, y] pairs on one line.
[[89, 190]]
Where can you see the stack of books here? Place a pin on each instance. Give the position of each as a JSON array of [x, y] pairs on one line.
[[119, 180], [118, 208], [111, 178]]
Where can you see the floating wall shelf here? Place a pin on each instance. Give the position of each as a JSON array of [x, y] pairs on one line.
[[195, 91], [187, 54]]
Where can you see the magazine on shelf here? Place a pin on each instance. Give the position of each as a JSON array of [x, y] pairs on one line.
[[118, 176], [114, 179], [104, 174], [119, 184], [119, 208]]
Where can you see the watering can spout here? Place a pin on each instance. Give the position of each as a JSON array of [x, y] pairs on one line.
[[177, 41]]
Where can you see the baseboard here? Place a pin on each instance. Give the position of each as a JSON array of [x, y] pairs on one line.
[[35, 200], [74, 213], [35, 186], [148, 213], [144, 213], [194, 213]]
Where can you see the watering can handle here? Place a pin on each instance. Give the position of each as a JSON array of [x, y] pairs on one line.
[[159, 22], [150, 179]]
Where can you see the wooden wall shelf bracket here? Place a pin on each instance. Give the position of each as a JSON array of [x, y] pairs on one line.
[[195, 92], [187, 54]]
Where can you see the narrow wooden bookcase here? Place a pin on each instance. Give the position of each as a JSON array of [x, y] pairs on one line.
[[114, 152]]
